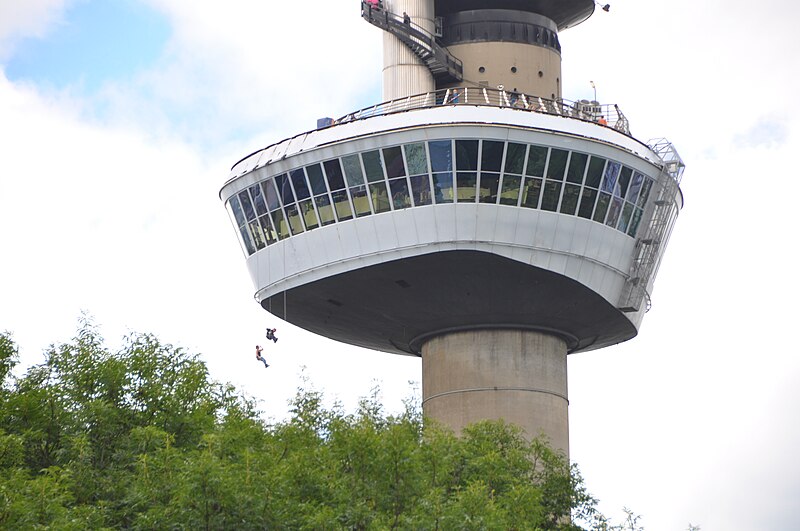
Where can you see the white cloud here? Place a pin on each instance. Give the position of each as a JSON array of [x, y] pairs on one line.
[[29, 18]]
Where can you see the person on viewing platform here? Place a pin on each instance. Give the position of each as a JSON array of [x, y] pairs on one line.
[[406, 18], [259, 357], [374, 4], [602, 120]]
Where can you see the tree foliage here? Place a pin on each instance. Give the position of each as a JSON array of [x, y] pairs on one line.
[[143, 438]]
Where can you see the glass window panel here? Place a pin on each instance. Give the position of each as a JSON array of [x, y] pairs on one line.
[[510, 192], [492, 155], [489, 184], [622, 185], [299, 181], [247, 206], [635, 186], [515, 158], [257, 234], [360, 201], [335, 176], [443, 187], [284, 189], [577, 165], [587, 203], [279, 222], [342, 205], [416, 158], [272, 195], [441, 156], [394, 162], [466, 182], [400, 196], [552, 191], [258, 199], [569, 203], [293, 215], [309, 216], [236, 208], [530, 192], [610, 176], [557, 164], [266, 226], [595, 172], [537, 155], [316, 179], [625, 218], [601, 208], [352, 170], [421, 190], [324, 209], [246, 240], [635, 219], [645, 193], [373, 165], [380, 199], [467, 155], [614, 212]]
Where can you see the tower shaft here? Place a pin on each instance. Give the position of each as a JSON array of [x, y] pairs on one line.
[[516, 375]]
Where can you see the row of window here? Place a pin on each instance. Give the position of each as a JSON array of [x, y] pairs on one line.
[[439, 172]]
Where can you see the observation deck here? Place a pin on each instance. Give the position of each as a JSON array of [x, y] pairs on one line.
[[456, 210]]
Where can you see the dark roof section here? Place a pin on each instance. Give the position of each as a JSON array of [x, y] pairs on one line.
[[565, 13], [395, 306]]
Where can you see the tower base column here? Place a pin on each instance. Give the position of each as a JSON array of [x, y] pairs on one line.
[[519, 376]]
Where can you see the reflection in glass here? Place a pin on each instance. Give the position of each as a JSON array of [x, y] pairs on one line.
[[316, 179], [625, 218], [557, 164], [279, 222], [352, 170], [416, 158], [577, 165], [569, 203], [467, 155], [636, 185], [394, 162], [614, 212], [360, 200], [610, 176], [334, 172], [300, 186], [324, 209], [247, 206], [635, 219], [309, 216], [400, 196], [622, 185], [266, 226], [342, 205], [421, 190], [373, 165], [601, 208], [552, 192], [595, 172], [248, 243], [587, 203], [645, 193], [272, 195], [515, 158], [380, 199], [466, 182], [510, 192], [441, 156], [257, 234], [294, 219], [258, 199], [236, 208], [489, 184], [537, 156], [443, 187], [492, 155], [284, 189], [530, 192]]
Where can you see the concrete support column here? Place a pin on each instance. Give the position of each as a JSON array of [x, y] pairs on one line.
[[403, 73], [520, 376]]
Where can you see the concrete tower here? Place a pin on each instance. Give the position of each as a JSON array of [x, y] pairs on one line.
[[474, 218]]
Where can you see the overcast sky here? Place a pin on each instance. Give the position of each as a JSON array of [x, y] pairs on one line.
[[119, 120]]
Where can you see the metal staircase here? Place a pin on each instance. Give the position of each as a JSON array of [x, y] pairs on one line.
[[444, 67], [655, 236]]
